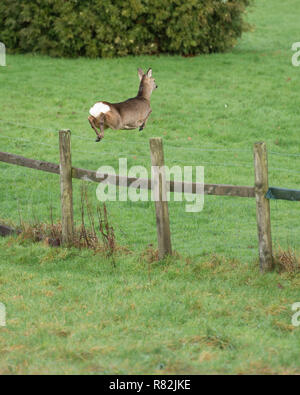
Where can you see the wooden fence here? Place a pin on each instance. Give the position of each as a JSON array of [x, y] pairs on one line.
[[67, 172]]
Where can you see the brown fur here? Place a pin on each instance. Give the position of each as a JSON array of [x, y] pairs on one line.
[[130, 114]]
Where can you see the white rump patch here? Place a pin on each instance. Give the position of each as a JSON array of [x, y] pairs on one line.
[[98, 109]]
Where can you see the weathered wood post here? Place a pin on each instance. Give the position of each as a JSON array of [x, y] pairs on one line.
[[66, 187], [160, 194], [263, 207]]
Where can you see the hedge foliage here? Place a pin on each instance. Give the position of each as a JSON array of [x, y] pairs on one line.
[[108, 28]]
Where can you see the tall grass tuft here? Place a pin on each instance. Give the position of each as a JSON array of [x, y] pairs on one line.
[[99, 237], [287, 261]]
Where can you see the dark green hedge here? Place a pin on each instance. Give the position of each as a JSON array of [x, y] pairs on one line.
[[109, 28]]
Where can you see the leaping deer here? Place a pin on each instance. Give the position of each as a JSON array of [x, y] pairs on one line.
[[130, 114]]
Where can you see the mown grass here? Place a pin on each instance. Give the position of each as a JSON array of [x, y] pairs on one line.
[[70, 311]]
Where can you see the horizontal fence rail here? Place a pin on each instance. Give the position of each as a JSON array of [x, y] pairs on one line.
[[283, 194], [94, 176]]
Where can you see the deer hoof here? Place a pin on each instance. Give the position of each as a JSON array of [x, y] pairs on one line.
[[98, 139], [141, 128]]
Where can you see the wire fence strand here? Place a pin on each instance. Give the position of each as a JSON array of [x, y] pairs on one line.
[[167, 148]]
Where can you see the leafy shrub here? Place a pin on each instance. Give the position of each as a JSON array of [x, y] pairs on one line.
[[108, 28]]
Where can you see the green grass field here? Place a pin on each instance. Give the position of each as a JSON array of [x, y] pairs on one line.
[[206, 311]]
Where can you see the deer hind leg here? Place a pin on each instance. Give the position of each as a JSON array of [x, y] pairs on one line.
[[92, 122], [113, 120], [102, 127]]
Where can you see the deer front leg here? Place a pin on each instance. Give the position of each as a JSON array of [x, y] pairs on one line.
[[145, 121]]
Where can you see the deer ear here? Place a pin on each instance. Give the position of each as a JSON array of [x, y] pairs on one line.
[[140, 73], [149, 73]]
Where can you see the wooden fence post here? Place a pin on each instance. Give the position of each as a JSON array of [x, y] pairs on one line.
[[66, 187], [263, 207], [161, 204]]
